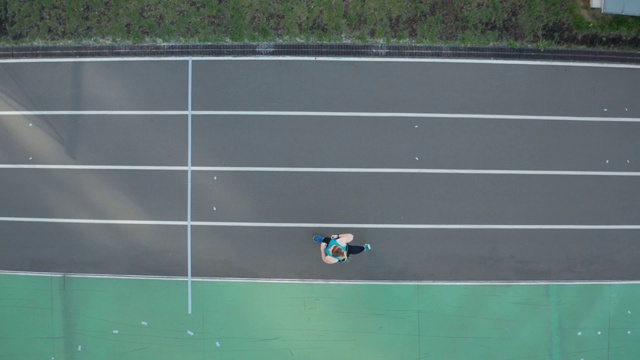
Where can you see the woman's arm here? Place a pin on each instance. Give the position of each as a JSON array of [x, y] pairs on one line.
[[343, 239], [325, 258]]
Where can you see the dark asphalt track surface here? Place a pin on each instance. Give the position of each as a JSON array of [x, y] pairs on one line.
[[379, 142]]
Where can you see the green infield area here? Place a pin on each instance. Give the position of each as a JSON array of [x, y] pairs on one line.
[[62, 317]]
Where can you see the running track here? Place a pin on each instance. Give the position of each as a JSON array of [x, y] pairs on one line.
[[454, 171]]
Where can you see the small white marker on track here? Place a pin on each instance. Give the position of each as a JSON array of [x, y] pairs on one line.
[[599, 333], [607, 161], [417, 158], [214, 208], [416, 126], [79, 347], [605, 109], [143, 323], [579, 333], [30, 157], [215, 178], [116, 331], [30, 124], [190, 332], [217, 344]]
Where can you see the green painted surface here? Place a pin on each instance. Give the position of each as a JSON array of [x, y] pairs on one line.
[[50, 317]]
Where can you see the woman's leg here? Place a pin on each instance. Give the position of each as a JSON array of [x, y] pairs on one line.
[[354, 249]]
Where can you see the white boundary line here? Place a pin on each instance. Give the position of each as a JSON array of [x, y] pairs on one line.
[[424, 60], [336, 114], [320, 170], [337, 58], [325, 225], [189, 188], [327, 281]]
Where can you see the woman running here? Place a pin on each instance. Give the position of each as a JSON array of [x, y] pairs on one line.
[[336, 248]]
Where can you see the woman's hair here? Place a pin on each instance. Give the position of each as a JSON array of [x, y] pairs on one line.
[[338, 252]]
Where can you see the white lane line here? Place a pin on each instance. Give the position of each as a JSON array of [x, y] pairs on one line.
[[321, 170], [333, 59], [93, 167], [92, 112], [326, 281], [338, 114], [189, 190], [92, 221], [418, 171], [94, 59], [327, 225], [419, 115], [419, 226]]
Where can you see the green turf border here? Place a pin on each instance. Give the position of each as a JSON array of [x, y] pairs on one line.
[[68, 317]]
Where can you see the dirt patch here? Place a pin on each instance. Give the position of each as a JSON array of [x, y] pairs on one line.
[[586, 11]]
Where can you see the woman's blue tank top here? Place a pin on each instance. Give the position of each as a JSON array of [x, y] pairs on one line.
[[333, 242]]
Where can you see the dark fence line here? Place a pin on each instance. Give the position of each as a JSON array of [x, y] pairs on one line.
[[320, 50]]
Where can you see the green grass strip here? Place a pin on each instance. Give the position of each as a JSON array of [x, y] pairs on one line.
[[540, 23]]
